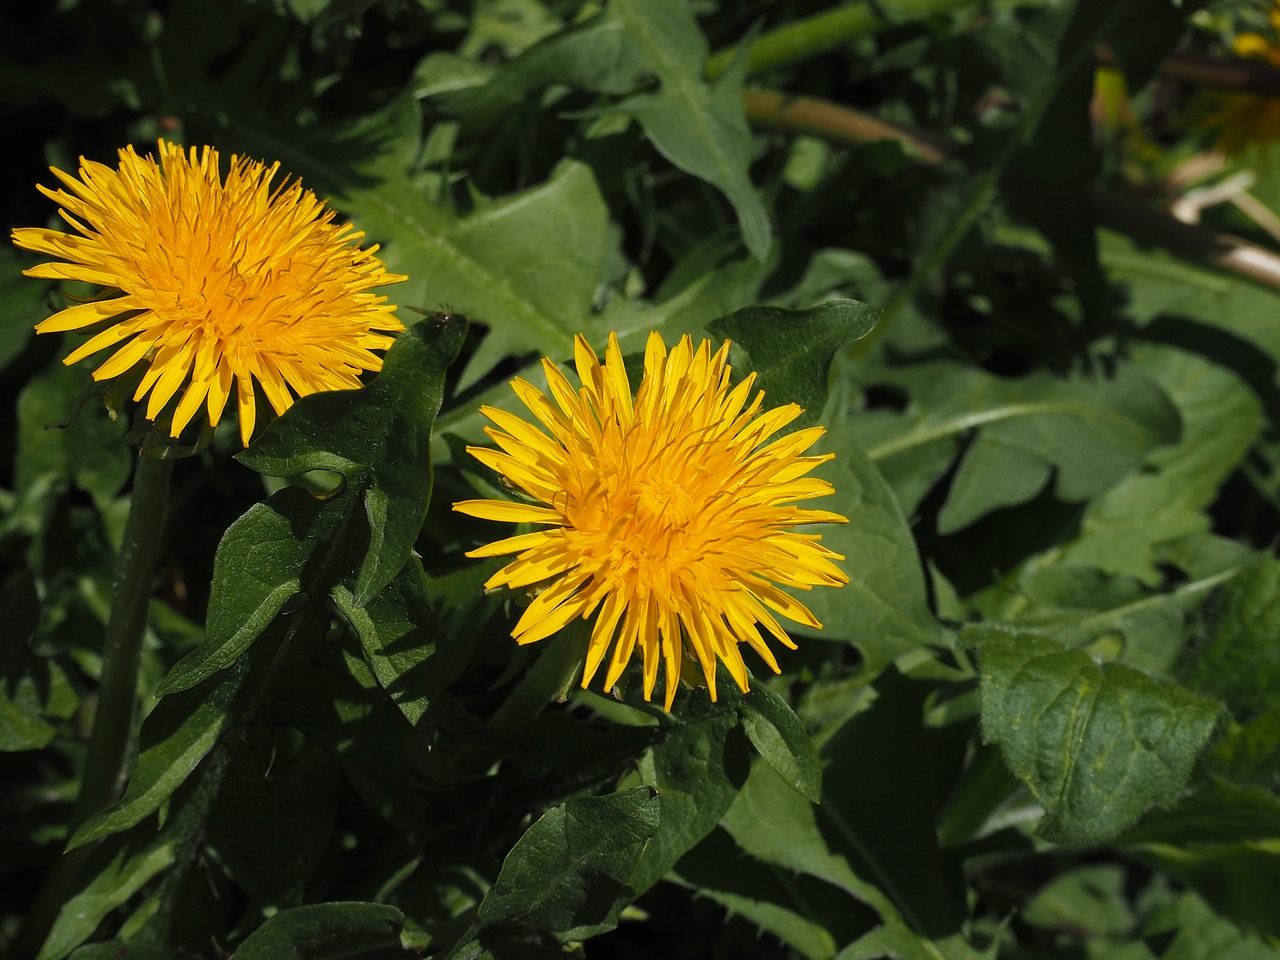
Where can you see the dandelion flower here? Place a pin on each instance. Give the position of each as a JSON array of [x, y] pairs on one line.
[[670, 515], [1241, 118], [213, 281]]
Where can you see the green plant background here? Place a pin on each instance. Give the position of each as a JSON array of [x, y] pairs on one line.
[[1042, 720]]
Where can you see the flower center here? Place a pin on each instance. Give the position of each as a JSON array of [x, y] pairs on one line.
[[662, 506]]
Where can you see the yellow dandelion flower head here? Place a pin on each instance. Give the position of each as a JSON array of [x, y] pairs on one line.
[[213, 280], [672, 515], [1241, 118]]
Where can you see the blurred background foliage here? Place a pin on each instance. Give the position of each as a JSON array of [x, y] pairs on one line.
[[1042, 719]]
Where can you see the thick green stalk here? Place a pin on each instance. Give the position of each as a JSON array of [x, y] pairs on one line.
[[806, 38], [113, 717]]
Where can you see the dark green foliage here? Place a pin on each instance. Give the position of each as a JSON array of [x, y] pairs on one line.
[[1042, 720]]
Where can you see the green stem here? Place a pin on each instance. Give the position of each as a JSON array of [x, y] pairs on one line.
[[806, 38], [113, 719], [117, 694], [802, 39]]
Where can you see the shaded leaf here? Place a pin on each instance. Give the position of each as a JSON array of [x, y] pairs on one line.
[[696, 772], [1239, 662], [115, 871], [699, 126], [175, 737], [324, 931], [791, 350], [298, 546], [397, 632], [567, 877]]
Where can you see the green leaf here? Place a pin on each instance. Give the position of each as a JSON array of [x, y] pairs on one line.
[[883, 610], [696, 772], [791, 350], [396, 630], [1123, 529], [893, 827], [772, 822], [567, 877], [1112, 617], [1091, 431], [1237, 662], [34, 690], [256, 571], [1219, 812], [782, 741], [89, 453], [1090, 899], [1202, 933], [899, 941], [175, 737], [115, 871], [120, 950], [273, 821], [351, 545], [378, 438], [1096, 745], [324, 931], [808, 915], [1240, 880], [528, 265], [334, 699], [699, 126]]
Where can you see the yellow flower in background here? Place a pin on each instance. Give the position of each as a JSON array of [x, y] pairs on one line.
[[671, 515], [1241, 118], [216, 281]]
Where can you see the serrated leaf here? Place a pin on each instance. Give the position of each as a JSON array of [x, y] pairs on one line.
[[567, 877], [791, 350], [325, 931], [808, 915], [1096, 745]]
